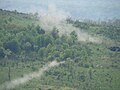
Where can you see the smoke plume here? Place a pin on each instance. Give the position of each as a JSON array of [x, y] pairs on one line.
[[54, 17]]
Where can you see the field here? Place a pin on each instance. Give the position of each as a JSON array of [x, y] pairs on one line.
[[25, 47]]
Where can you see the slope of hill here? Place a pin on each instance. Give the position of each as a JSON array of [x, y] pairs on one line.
[[25, 47]]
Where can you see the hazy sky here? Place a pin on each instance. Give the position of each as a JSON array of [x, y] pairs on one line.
[[91, 9]]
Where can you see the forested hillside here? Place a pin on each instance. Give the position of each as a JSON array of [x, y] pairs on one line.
[[25, 47]]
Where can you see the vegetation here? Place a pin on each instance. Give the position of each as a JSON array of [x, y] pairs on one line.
[[25, 47], [109, 29]]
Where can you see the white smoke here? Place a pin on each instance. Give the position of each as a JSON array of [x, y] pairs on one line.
[[54, 17], [28, 77]]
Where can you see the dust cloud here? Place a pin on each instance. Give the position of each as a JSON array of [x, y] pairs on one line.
[[14, 83]]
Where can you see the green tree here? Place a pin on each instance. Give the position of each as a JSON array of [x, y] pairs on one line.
[[12, 45], [74, 37], [55, 33], [40, 30], [2, 54], [68, 53], [8, 53], [28, 47]]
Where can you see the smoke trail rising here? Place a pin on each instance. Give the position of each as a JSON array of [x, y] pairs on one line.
[[28, 77]]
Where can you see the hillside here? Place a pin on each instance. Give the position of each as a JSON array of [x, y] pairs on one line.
[[26, 46]]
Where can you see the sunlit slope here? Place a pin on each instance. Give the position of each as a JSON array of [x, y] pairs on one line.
[[88, 66], [13, 20]]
